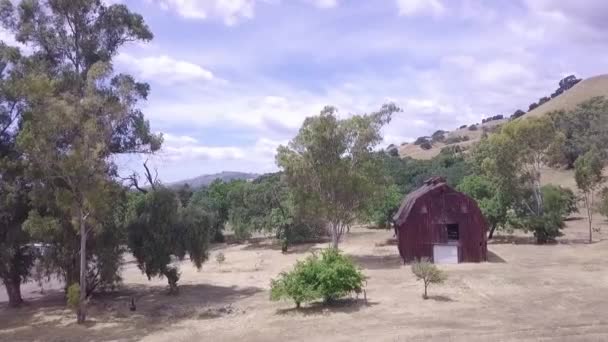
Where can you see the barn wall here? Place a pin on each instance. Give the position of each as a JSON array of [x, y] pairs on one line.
[[421, 231]]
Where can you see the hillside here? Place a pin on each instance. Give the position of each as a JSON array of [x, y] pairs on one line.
[[584, 90], [205, 180]]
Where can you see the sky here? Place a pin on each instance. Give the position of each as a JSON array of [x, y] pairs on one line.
[[233, 79]]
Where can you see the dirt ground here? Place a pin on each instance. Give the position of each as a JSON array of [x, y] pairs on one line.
[[525, 293]]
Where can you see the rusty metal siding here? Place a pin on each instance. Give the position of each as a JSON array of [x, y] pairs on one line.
[[422, 229]]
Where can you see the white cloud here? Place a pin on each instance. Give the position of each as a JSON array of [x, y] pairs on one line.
[[324, 4], [185, 149], [230, 11], [417, 7], [164, 69], [499, 71]]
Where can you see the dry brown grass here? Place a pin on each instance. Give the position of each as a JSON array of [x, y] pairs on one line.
[[526, 292]]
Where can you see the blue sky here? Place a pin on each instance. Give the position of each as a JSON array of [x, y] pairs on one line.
[[233, 79]]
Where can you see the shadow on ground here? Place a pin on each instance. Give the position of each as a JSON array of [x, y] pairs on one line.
[[272, 244], [342, 306], [495, 258], [109, 315], [377, 262], [530, 240], [441, 298]]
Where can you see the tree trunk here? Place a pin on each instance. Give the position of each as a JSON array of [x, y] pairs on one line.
[[492, 230], [82, 309], [13, 290], [589, 208], [335, 239], [425, 291], [590, 217]]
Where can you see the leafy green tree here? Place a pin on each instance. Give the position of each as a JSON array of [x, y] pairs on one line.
[[580, 130], [16, 258], [382, 209], [588, 175], [493, 203], [429, 273], [265, 205], [559, 200], [159, 229], [80, 112], [512, 160], [215, 200], [329, 165]]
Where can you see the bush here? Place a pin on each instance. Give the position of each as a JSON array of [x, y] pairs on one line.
[[545, 228], [426, 146], [438, 135], [73, 296], [328, 277], [456, 139], [518, 113], [532, 106], [393, 152], [452, 149], [462, 127], [220, 258], [492, 118], [429, 274], [473, 128], [559, 201], [422, 140]]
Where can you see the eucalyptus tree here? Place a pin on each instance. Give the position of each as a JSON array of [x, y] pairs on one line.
[[330, 166], [81, 114]]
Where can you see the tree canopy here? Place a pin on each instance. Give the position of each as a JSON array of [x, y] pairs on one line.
[[329, 164]]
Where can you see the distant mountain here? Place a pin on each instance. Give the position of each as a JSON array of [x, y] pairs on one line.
[[205, 180]]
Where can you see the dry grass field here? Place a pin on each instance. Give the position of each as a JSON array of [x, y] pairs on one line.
[[525, 292]]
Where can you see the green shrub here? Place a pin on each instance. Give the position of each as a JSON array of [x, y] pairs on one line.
[[297, 285], [328, 277], [545, 228], [429, 274], [603, 205], [73, 297], [558, 200], [426, 145], [473, 127]]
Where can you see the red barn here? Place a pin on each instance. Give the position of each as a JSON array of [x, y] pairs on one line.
[[442, 224]]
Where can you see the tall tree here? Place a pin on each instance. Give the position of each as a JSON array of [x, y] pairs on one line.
[[588, 175], [16, 257], [329, 165], [81, 112]]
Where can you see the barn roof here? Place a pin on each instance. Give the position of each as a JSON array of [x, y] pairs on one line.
[[408, 202]]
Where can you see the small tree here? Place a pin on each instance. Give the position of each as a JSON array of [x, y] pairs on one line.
[[159, 229], [429, 274], [220, 258], [588, 176], [328, 277]]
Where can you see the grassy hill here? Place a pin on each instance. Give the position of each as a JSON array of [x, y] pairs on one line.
[[584, 90]]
